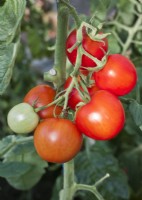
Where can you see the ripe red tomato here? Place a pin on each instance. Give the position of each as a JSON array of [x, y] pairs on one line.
[[102, 118], [118, 76], [74, 96], [95, 48], [57, 140], [43, 95]]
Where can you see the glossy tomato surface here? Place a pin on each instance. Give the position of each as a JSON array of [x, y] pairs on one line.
[[43, 95], [22, 119], [57, 140], [95, 48], [74, 96], [102, 118], [118, 76]]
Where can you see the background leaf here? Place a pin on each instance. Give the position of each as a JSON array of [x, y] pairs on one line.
[[29, 167], [12, 169], [136, 112], [90, 168], [11, 14]]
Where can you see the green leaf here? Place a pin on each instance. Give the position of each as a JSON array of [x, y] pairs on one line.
[[131, 160], [99, 163], [114, 47], [139, 72], [90, 169], [11, 13], [136, 112], [12, 169], [6, 143], [126, 9], [21, 154], [7, 60], [99, 7], [32, 176]]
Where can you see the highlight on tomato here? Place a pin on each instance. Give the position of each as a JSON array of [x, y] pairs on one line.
[[57, 140], [118, 76], [42, 95], [94, 47], [102, 118], [22, 119], [74, 96]]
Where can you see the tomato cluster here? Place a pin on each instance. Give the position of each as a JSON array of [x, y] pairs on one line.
[[101, 117], [56, 139]]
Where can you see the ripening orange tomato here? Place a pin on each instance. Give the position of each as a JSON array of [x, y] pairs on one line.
[[42, 95], [57, 140]]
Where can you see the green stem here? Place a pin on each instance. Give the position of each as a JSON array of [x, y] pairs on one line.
[[60, 54], [121, 26], [57, 101], [68, 91], [69, 184], [73, 12], [132, 32], [90, 188], [69, 174]]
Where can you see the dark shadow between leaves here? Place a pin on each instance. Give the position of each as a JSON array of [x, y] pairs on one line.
[[2, 2]]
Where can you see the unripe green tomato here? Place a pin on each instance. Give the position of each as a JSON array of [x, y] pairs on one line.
[[22, 118]]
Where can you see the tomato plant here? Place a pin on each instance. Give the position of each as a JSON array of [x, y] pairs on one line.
[[93, 47], [22, 119], [118, 76], [102, 118], [42, 95], [74, 96], [57, 140]]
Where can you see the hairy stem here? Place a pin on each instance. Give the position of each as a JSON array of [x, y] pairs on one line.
[[68, 190], [60, 54], [73, 12], [90, 189], [132, 32]]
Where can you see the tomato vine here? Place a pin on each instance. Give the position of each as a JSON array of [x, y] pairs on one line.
[[85, 122]]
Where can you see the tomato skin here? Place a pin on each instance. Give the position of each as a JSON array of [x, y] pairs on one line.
[[41, 95], [118, 76], [74, 96], [92, 47], [102, 118], [57, 140], [22, 119]]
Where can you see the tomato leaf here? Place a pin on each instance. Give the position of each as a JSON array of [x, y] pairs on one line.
[[7, 59], [98, 164], [12, 169], [133, 166], [100, 6], [136, 112], [11, 13], [20, 152], [114, 46], [89, 169]]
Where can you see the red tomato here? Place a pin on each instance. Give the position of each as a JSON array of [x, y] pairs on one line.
[[118, 76], [57, 140], [102, 118], [91, 46], [43, 95], [74, 96]]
